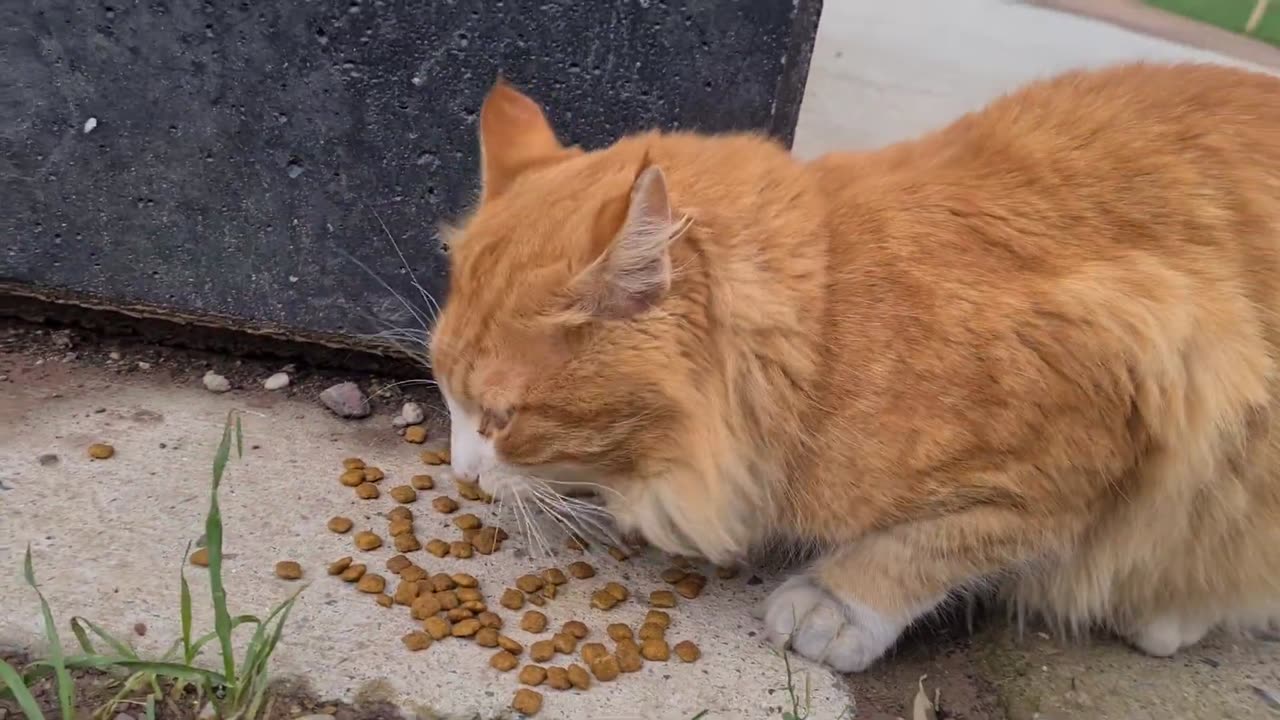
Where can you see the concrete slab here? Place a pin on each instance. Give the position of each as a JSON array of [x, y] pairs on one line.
[[108, 537]]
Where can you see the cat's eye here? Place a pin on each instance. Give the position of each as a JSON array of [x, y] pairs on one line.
[[494, 420]]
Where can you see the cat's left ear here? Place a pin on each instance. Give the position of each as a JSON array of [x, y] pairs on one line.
[[514, 137], [633, 273]]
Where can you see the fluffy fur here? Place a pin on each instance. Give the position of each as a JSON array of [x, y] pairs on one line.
[[1034, 350]]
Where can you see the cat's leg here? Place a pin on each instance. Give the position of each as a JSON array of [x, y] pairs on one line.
[[1167, 634], [852, 605]]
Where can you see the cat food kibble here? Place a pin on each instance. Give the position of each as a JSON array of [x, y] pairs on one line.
[[404, 494], [371, 583], [200, 557], [618, 631], [658, 617], [416, 640], [467, 594], [503, 661], [533, 621], [532, 675], [437, 627], [441, 582], [687, 651], [510, 645], [537, 600], [397, 563], [578, 677], [681, 561], [554, 576], [628, 654], [592, 652], [576, 628], [617, 554], [288, 570], [399, 527], [606, 669], [459, 614], [581, 570], [413, 573], [407, 542], [384, 600], [448, 599], [487, 540], [366, 540], [422, 482], [564, 643], [558, 678], [527, 701], [438, 547], [353, 464], [603, 600], [469, 490], [367, 491], [512, 599], [655, 649], [467, 521], [424, 606], [726, 573], [415, 434], [651, 631], [352, 478], [373, 474], [662, 599], [464, 580], [490, 619], [691, 586], [338, 566], [617, 590], [444, 504], [466, 628], [576, 544], [674, 575], [486, 637], [406, 593], [548, 591], [431, 457], [400, 512], [529, 583], [460, 549], [353, 573], [542, 651], [475, 606]]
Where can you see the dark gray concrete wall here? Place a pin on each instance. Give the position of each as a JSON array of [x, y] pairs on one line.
[[236, 161]]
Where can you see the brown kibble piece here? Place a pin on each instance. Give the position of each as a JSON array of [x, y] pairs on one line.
[[384, 600], [407, 542], [533, 621], [549, 591], [558, 678], [510, 645], [464, 580], [424, 606], [422, 482], [413, 573], [674, 575], [400, 512], [437, 627], [655, 649], [581, 570], [373, 474], [687, 651], [366, 540], [469, 490], [564, 643], [371, 583], [512, 599], [532, 675], [470, 535], [353, 572], [579, 677], [629, 659], [490, 619], [662, 599], [415, 434], [288, 570], [448, 599], [467, 521], [367, 491], [338, 566], [554, 576], [399, 527], [681, 561], [592, 652], [537, 600], [618, 554], [416, 640], [444, 504], [576, 628], [603, 600], [527, 701], [431, 457], [724, 573], [542, 651], [487, 540], [404, 494], [689, 587], [576, 544], [459, 614], [617, 590], [503, 661], [466, 628], [406, 593], [651, 631], [460, 549], [438, 547], [353, 463], [486, 637], [441, 582], [658, 617], [475, 606], [352, 478], [339, 524], [467, 594], [617, 632], [606, 668], [529, 583], [396, 563], [200, 557]]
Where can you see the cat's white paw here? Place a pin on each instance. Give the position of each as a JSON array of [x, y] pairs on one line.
[[1166, 635], [805, 616]]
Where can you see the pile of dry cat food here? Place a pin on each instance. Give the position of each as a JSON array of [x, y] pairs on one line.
[[454, 607]]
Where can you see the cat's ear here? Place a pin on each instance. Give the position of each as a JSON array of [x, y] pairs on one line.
[[514, 137], [633, 273]]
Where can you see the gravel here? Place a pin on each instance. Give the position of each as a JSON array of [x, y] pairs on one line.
[[346, 400], [213, 382], [279, 381]]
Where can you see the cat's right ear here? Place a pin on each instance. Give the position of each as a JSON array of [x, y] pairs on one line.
[[514, 137]]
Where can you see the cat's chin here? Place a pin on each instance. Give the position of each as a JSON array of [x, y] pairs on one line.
[[679, 527]]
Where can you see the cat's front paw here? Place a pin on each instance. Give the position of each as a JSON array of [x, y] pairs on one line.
[[808, 618]]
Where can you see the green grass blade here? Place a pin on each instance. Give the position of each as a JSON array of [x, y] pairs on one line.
[[213, 538], [82, 637], [205, 639], [120, 648], [239, 438], [150, 709], [66, 688], [261, 647], [700, 715], [177, 671], [184, 606], [18, 689]]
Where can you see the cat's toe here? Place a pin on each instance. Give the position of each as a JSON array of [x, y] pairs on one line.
[[813, 622]]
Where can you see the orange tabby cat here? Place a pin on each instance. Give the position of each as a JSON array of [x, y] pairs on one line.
[[1035, 350]]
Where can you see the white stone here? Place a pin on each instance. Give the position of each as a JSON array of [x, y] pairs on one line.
[[279, 381]]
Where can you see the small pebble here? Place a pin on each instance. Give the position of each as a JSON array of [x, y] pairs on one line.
[[412, 413], [278, 381], [345, 400], [213, 382]]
